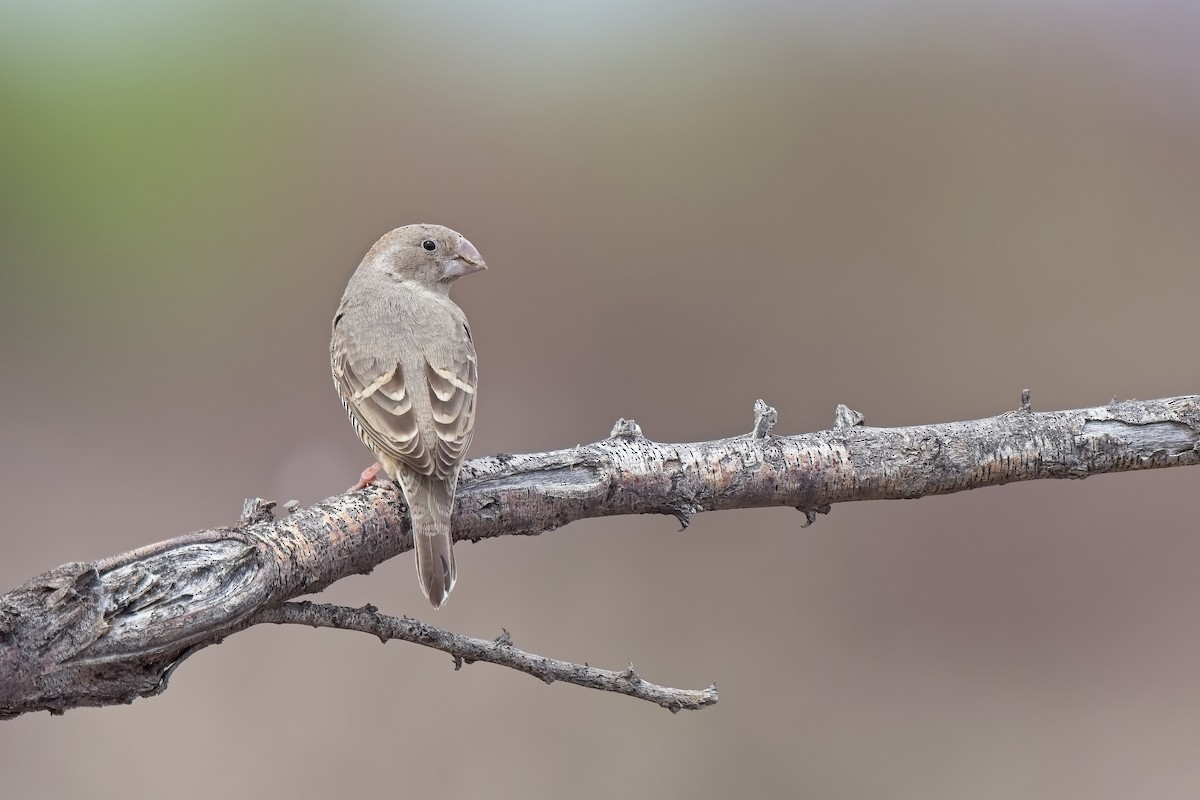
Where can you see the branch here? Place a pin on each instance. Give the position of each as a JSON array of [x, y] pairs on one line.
[[467, 650], [110, 631]]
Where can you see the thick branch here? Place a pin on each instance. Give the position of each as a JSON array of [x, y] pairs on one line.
[[110, 631]]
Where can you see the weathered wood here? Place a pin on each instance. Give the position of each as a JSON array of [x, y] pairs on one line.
[[114, 630]]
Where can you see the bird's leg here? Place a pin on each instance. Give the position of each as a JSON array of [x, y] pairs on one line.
[[368, 476]]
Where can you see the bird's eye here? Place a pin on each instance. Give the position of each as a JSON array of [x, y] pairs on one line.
[[430, 245]]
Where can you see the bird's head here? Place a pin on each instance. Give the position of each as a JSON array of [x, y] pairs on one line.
[[432, 255]]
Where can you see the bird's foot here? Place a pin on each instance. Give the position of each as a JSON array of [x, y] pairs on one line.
[[368, 476]]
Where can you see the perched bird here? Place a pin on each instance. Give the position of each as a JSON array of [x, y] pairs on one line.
[[404, 366]]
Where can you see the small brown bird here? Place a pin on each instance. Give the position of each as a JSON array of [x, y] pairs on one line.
[[404, 365]]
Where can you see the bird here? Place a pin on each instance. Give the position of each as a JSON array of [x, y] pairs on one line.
[[404, 366]]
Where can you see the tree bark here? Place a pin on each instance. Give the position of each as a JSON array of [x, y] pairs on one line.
[[107, 632]]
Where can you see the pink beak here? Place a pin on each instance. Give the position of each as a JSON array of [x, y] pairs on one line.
[[465, 261]]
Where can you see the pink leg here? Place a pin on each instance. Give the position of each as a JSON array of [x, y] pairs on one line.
[[368, 476]]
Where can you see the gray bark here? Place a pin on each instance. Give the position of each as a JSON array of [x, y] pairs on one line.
[[107, 632]]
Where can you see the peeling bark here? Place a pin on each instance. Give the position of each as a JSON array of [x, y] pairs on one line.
[[111, 631]]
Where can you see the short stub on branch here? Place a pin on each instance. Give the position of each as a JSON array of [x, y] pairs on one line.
[[810, 514], [765, 418], [256, 510], [846, 417], [626, 429]]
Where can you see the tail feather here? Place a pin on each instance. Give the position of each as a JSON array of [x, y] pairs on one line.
[[430, 502]]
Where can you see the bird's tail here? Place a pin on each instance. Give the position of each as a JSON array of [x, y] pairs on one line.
[[430, 502]]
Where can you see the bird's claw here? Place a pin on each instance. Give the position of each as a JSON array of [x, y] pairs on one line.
[[368, 476]]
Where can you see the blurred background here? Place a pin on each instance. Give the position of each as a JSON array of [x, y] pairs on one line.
[[916, 209]]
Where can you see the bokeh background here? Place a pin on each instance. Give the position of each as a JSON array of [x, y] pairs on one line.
[[915, 208]]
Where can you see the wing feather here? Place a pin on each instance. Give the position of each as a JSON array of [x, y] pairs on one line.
[[453, 379], [381, 405]]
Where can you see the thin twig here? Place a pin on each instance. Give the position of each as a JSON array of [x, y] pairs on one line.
[[467, 650]]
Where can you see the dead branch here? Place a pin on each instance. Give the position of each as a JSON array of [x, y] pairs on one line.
[[90, 634], [467, 650]]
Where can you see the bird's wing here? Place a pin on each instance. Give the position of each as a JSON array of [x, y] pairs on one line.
[[379, 401], [452, 377]]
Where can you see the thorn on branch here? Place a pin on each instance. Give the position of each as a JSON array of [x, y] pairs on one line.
[[161, 686], [846, 417], [504, 638], [765, 418], [291, 506], [626, 429], [1026, 403], [810, 514], [684, 514], [256, 510]]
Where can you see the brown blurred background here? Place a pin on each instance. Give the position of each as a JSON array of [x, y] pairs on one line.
[[915, 208]]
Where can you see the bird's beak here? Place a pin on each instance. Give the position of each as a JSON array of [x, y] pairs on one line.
[[465, 261]]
